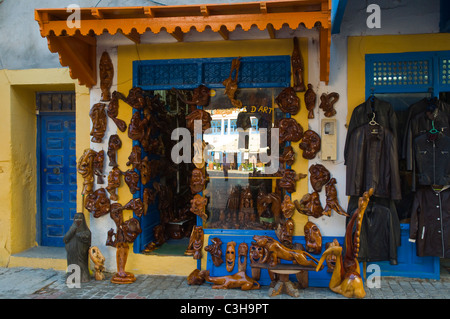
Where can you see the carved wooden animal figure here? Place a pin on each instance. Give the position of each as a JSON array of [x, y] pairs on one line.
[[215, 251], [346, 278], [238, 280], [274, 251]]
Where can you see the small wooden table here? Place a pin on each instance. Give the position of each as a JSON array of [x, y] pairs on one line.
[[283, 284]]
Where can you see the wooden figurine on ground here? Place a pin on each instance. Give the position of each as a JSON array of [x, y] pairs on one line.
[[99, 261]]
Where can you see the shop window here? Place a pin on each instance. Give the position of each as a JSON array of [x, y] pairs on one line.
[[236, 171]]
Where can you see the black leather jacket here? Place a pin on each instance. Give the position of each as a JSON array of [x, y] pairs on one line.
[[432, 163], [372, 161], [430, 222]]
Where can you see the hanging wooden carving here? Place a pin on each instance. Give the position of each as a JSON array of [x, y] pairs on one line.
[[99, 160], [198, 181], [198, 206], [327, 102], [313, 238], [332, 202], [113, 112], [106, 69], [319, 176], [135, 98], [331, 259], [290, 130], [113, 182], [200, 97], [98, 203], [137, 127], [135, 157], [288, 101], [256, 257], [195, 243], [285, 232], [132, 180], [297, 67], [198, 115], [346, 278], [136, 205], [114, 144], [146, 171], [231, 83], [230, 255], [85, 168], [287, 207], [310, 101], [215, 250], [309, 205], [288, 156], [99, 122], [310, 144], [199, 152], [288, 182]]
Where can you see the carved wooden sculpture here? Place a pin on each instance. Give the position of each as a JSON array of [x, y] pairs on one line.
[[290, 130], [137, 127], [198, 181], [106, 75], [274, 251], [146, 171], [331, 259], [85, 168], [297, 67], [313, 238], [310, 144], [199, 152], [242, 256], [238, 280], [135, 98], [136, 205], [113, 183], [327, 102], [346, 278], [215, 250], [230, 256], [288, 156], [113, 112], [99, 121], [98, 203], [114, 143], [319, 176], [148, 197], [256, 257], [126, 233], [99, 262], [198, 206], [198, 115], [332, 202], [195, 243], [270, 201], [310, 101], [196, 277], [132, 180], [285, 232], [200, 96], [310, 205], [289, 180], [135, 157], [77, 241], [288, 101], [99, 160], [287, 207], [231, 84]]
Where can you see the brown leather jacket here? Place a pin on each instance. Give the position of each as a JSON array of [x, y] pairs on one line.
[[430, 222]]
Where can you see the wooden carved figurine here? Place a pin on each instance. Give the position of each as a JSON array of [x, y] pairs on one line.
[[290, 130], [99, 262], [98, 203], [256, 257], [313, 238], [198, 181], [200, 96], [199, 153], [113, 112], [270, 201], [238, 280], [215, 251], [198, 115], [113, 182], [135, 157], [346, 278], [114, 143], [242, 256], [198, 206], [99, 121], [319, 176], [195, 243], [137, 127], [77, 241], [136, 205], [288, 156], [106, 75], [310, 144], [135, 98], [310, 205], [288, 101], [285, 232], [297, 67], [85, 168], [231, 84], [230, 256], [310, 101], [289, 180], [331, 259], [287, 207], [146, 171], [332, 200], [132, 180], [327, 102], [99, 160]]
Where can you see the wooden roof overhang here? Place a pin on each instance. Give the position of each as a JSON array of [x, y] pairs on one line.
[[76, 45]]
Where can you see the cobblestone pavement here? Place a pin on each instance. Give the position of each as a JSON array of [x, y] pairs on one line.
[[31, 283]]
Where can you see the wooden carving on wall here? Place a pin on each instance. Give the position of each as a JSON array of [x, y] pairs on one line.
[[135, 98], [198, 115], [319, 176], [132, 180], [288, 181], [285, 232], [85, 167], [242, 256], [98, 164], [313, 238], [230, 255], [310, 101], [215, 250], [98, 203], [198, 206], [106, 69], [113, 182], [288, 156], [287, 207], [99, 122], [309, 205], [270, 201], [310, 144], [146, 171], [332, 202], [195, 243], [288, 101], [114, 144], [256, 257], [198, 181], [136, 205], [290, 130], [238, 280], [231, 84], [113, 112], [135, 157], [327, 102], [297, 67], [331, 259], [200, 97], [137, 127], [346, 278], [199, 152]]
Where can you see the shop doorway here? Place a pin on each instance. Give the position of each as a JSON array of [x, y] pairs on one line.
[[57, 179]]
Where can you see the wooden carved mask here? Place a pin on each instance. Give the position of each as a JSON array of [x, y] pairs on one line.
[[230, 255]]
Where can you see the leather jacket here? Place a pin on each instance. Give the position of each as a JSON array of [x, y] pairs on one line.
[[432, 163], [373, 162], [430, 222]]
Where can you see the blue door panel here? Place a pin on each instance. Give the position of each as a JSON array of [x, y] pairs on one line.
[[57, 176]]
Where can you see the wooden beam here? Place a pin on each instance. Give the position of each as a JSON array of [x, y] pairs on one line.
[[178, 34], [263, 7], [271, 30], [324, 47], [224, 32], [133, 36]]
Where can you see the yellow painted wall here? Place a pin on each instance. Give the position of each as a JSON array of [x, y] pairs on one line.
[[128, 54], [359, 46], [18, 163]]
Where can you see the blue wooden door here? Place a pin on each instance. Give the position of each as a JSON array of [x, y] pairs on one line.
[[58, 179]]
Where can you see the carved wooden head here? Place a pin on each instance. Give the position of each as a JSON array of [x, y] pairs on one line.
[[290, 130], [132, 180], [288, 101], [215, 250], [319, 176], [98, 203], [230, 255], [310, 144], [313, 238], [99, 121], [106, 69], [198, 181]]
